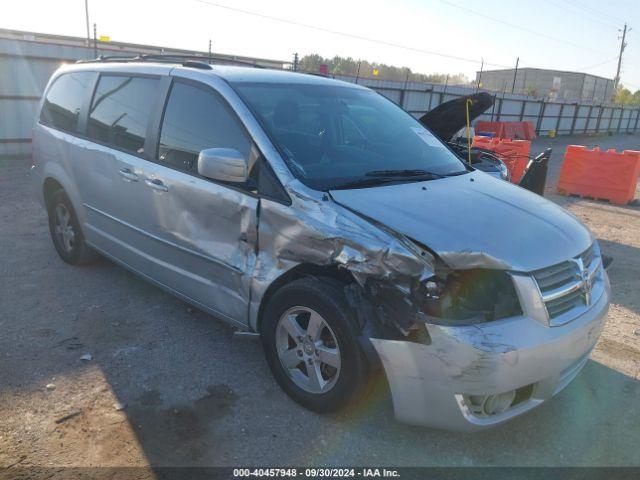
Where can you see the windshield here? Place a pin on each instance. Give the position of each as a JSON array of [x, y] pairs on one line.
[[344, 137]]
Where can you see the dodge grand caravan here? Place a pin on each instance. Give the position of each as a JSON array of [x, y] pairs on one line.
[[324, 218]]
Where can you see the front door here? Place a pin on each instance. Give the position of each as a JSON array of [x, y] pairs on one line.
[[203, 234]]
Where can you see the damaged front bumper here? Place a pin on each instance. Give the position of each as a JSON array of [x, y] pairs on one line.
[[474, 377]]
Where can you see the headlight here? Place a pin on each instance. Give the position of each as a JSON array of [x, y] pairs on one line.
[[470, 296]]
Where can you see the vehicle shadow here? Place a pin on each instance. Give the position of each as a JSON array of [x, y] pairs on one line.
[[193, 395], [623, 273]]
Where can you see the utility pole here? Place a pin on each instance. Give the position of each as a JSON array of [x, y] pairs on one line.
[[295, 62], [480, 76], [86, 13], [209, 51], [95, 41], [623, 44], [515, 73]]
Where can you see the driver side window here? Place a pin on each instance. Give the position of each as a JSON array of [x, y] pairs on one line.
[[195, 119]]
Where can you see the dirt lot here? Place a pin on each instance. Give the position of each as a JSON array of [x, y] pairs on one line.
[[193, 394]]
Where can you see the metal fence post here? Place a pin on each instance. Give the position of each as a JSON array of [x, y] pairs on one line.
[[559, 118], [499, 109], [524, 104], [401, 100], [575, 117], [599, 119], [543, 107], [430, 98], [635, 126], [610, 120], [620, 119], [586, 123]]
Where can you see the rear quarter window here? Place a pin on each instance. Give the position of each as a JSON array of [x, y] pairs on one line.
[[61, 107], [121, 109]]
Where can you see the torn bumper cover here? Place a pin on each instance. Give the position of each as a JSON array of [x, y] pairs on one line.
[[473, 377]]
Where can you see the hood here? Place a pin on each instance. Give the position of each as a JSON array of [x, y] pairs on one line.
[[448, 118], [474, 220]]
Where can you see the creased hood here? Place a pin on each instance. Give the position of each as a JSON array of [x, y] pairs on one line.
[[474, 220]]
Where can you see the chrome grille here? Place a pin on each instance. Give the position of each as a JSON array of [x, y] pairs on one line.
[[565, 303], [563, 286], [555, 276]]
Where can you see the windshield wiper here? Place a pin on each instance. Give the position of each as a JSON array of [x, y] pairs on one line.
[[403, 173], [363, 183], [380, 177], [455, 174]]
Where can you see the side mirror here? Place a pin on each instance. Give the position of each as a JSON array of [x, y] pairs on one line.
[[223, 164]]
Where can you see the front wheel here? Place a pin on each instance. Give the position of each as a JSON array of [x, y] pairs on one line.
[[310, 341]]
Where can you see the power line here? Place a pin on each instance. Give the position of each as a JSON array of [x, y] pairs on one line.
[[520, 27], [401, 46], [598, 64], [345, 34], [584, 14], [596, 12]]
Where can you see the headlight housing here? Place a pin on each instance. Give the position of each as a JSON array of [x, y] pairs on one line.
[[472, 296]]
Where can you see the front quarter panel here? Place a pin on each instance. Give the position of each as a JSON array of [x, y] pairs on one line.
[[315, 230]]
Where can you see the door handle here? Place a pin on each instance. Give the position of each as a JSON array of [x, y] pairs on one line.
[[128, 175], [156, 184]]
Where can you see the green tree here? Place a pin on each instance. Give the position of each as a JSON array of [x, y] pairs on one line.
[[349, 66], [623, 96]]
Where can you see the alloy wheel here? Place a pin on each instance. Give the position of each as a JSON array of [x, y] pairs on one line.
[[308, 349]]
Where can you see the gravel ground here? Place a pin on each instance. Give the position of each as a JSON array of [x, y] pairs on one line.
[[169, 385]]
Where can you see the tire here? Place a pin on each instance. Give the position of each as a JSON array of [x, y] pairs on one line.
[[297, 301], [62, 218]]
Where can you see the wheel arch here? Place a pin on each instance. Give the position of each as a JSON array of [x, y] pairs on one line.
[[302, 270], [55, 177], [49, 186]]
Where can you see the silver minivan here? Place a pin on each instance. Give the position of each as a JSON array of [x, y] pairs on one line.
[[324, 218]]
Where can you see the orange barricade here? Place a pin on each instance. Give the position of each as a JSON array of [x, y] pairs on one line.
[[514, 153], [607, 175], [513, 130]]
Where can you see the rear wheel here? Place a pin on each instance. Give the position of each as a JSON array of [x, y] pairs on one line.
[[310, 341], [66, 234]]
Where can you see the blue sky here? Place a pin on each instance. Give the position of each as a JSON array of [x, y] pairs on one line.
[[562, 34]]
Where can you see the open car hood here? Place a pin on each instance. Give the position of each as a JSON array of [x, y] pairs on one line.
[[447, 119]]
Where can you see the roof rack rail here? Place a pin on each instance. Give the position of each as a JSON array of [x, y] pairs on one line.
[[193, 61]]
